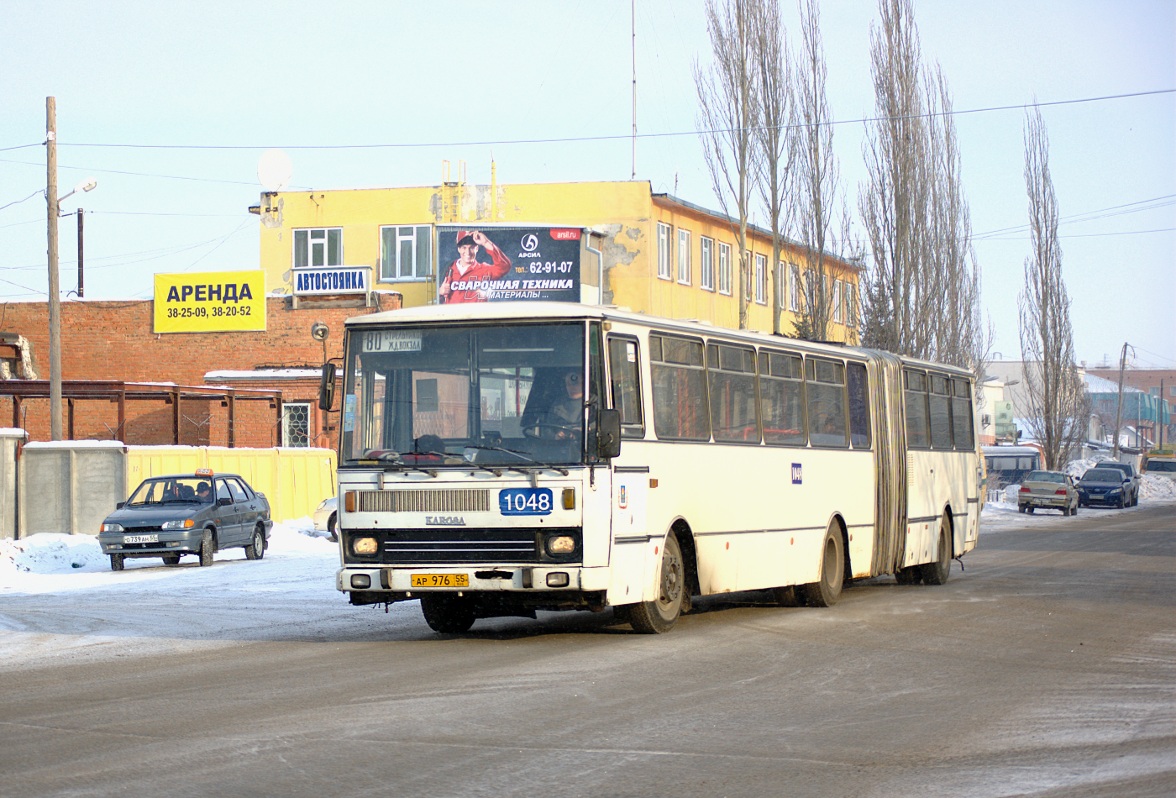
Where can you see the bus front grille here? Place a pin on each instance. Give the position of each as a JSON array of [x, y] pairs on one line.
[[424, 501]]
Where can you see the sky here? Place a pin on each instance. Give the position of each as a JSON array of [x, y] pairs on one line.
[[171, 106]]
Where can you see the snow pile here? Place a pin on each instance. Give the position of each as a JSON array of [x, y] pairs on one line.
[[51, 553], [1157, 487]]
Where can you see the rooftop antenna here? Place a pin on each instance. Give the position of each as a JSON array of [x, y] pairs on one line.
[[633, 61]]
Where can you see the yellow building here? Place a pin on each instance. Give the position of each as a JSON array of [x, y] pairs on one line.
[[614, 243]]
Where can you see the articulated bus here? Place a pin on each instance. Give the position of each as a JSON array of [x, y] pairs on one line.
[[694, 460]]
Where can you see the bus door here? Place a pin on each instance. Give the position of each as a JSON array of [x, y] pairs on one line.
[[630, 476]]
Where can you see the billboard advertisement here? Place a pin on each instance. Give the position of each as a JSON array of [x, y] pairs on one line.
[[508, 264], [210, 302]]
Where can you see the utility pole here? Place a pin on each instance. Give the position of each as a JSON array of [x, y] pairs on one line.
[[633, 57], [1119, 411], [81, 280], [54, 288]]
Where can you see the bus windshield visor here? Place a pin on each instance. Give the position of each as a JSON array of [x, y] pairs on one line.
[[496, 396]]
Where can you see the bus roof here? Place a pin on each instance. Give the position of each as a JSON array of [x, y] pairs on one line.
[[571, 311]]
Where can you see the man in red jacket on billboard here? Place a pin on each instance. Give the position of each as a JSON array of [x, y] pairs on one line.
[[465, 278]]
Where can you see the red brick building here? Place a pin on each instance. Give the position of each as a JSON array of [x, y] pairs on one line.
[[242, 372]]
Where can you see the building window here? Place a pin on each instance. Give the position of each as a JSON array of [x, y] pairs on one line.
[[405, 252], [837, 301], [761, 279], [663, 251], [850, 305], [322, 247], [684, 257], [296, 424], [781, 278], [794, 290], [725, 269], [706, 254]]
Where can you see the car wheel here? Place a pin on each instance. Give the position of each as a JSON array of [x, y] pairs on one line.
[[449, 615], [1021, 508], [1066, 510], [332, 532], [256, 548], [660, 615], [1074, 509], [116, 561], [1029, 510], [171, 559], [827, 590], [206, 549], [936, 573]]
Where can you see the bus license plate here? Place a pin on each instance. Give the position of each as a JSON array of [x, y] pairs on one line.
[[140, 538], [525, 501], [440, 580]]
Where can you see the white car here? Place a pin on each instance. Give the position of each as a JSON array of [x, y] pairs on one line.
[[325, 517]]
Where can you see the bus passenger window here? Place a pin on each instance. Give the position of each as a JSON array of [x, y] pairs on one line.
[[781, 392], [961, 415], [859, 406], [918, 429], [732, 391], [825, 389], [679, 389]]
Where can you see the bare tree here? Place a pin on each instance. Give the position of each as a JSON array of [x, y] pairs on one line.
[[771, 140], [818, 223], [1057, 402], [959, 336], [728, 116], [893, 202]]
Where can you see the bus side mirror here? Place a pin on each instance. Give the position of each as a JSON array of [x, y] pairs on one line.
[[608, 434], [327, 387]]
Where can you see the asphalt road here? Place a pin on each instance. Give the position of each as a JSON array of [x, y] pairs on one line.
[[1047, 667]]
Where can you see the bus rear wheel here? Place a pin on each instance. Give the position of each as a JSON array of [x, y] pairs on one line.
[[660, 615], [827, 590], [936, 573]]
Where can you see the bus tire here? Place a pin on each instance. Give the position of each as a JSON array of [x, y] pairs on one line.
[[936, 573], [911, 575], [660, 615], [448, 615], [827, 590]]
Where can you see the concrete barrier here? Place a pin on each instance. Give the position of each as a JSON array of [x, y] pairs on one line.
[[71, 486]]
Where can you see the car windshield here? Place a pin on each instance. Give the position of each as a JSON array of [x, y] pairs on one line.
[[503, 394], [1046, 476], [1102, 475], [1166, 466], [166, 490]]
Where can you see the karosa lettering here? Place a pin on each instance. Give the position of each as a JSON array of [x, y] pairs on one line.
[[230, 292]]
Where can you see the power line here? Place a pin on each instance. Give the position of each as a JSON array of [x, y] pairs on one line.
[[610, 137], [1089, 216]]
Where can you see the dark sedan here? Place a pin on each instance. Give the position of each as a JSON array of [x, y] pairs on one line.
[[199, 513], [1106, 486]]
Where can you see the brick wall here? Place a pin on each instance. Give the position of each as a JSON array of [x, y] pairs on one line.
[[103, 340]]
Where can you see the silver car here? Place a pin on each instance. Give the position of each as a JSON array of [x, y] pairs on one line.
[[1051, 490], [326, 517]]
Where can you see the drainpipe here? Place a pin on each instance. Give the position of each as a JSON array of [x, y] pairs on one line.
[[600, 261]]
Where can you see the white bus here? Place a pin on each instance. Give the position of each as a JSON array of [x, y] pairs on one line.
[[695, 460]]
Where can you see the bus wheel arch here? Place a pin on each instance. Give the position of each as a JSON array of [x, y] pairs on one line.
[[938, 570], [826, 591], [672, 598]]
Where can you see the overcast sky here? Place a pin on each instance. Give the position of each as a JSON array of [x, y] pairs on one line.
[[170, 107]]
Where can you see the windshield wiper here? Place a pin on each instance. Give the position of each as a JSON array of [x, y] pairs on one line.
[[521, 456]]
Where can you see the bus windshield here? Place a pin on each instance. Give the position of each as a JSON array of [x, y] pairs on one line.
[[495, 395]]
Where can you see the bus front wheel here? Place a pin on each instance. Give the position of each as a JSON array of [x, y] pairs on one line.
[[448, 615], [827, 590], [660, 615]]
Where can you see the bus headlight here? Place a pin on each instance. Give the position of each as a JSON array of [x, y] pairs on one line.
[[561, 545], [365, 546]]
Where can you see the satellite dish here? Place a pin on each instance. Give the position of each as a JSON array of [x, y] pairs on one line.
[[274, 170]]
